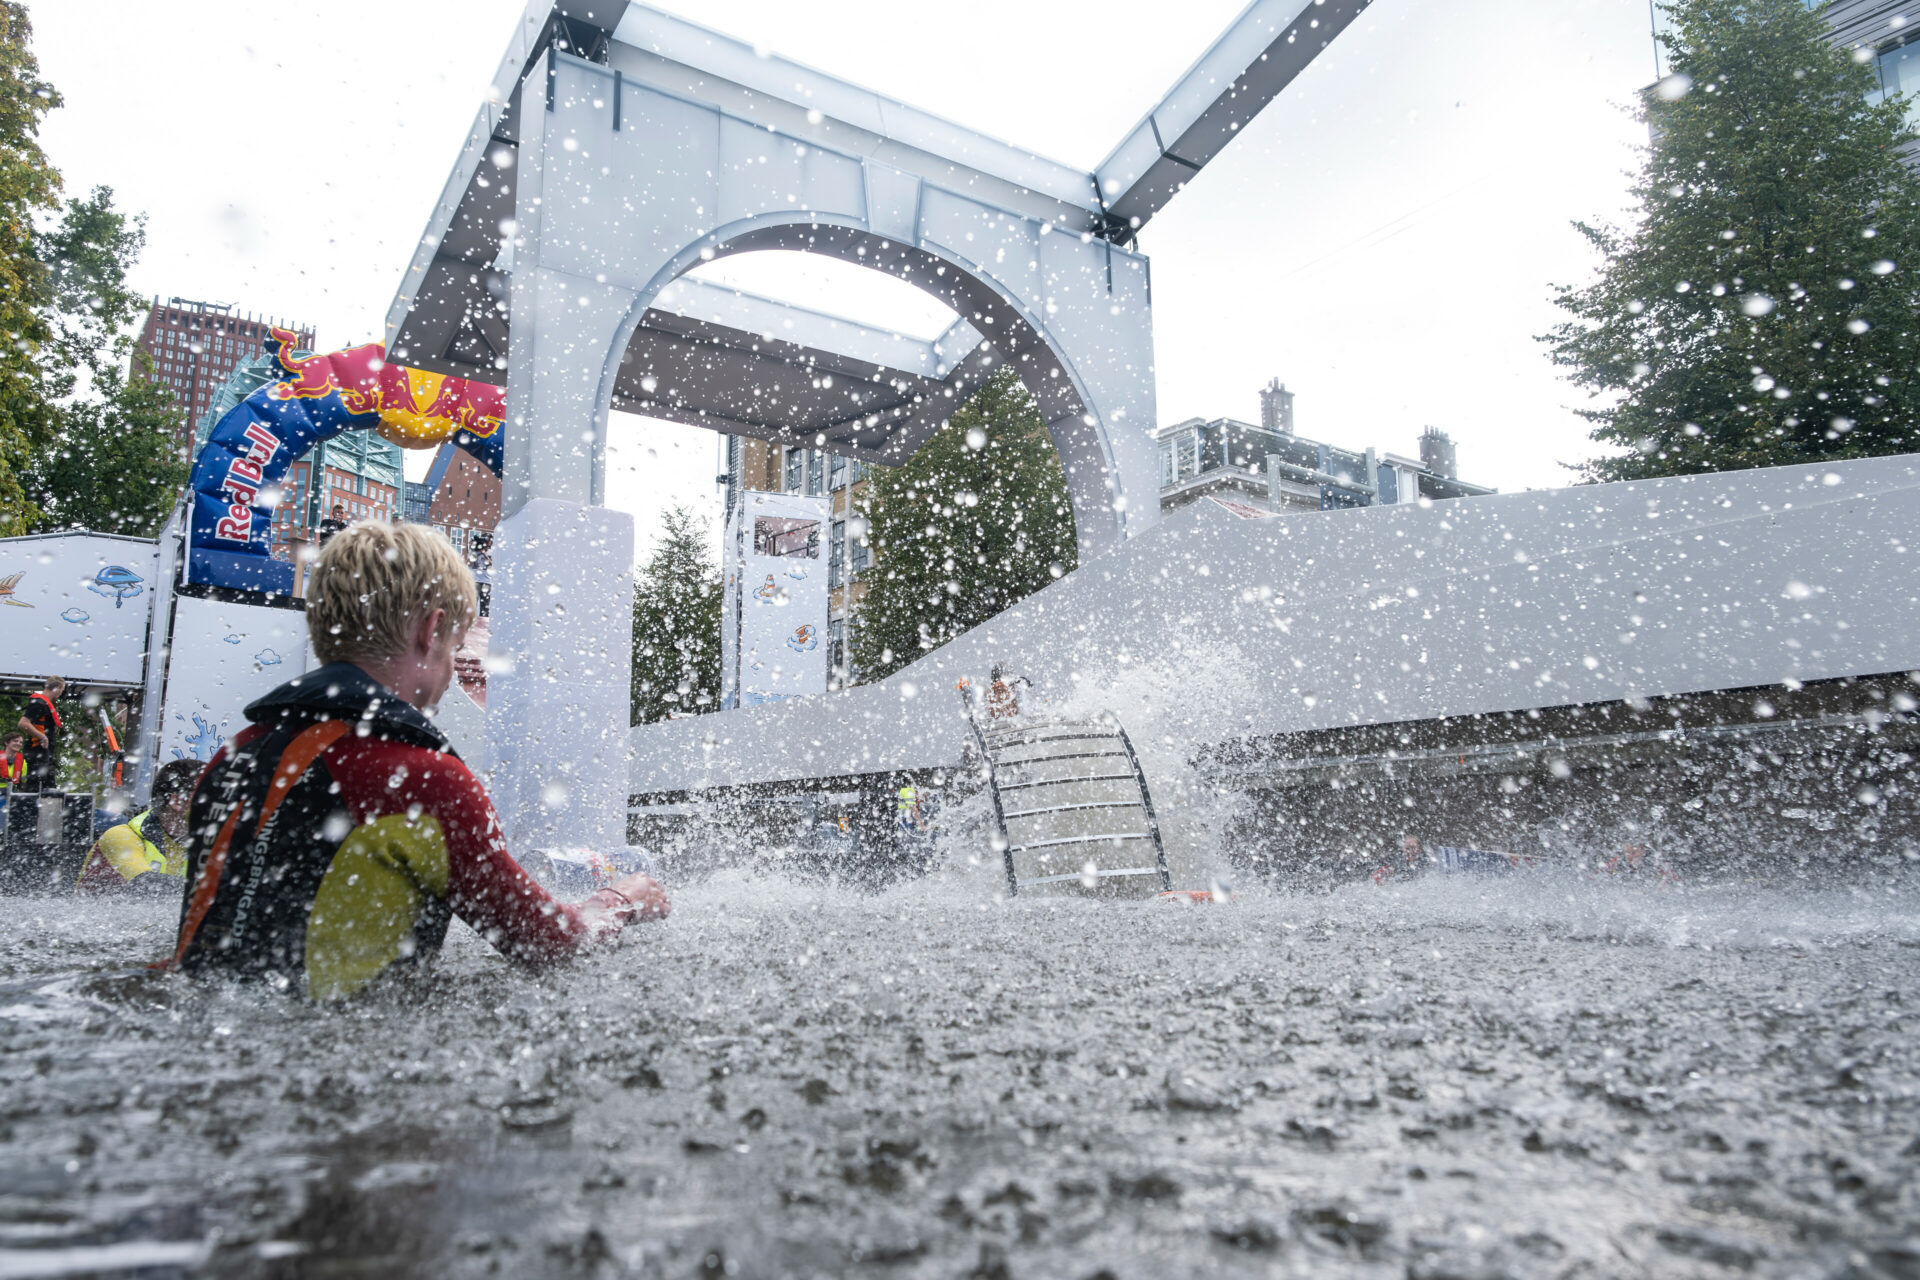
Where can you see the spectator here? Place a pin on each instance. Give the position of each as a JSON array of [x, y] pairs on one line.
[[145, 853], [40, 722], [336, 521], [13, 768]]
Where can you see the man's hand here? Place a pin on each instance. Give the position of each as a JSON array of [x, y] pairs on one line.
[[649, 899]]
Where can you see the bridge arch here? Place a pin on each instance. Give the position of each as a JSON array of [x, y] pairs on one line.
[[582, 210], [998, 328]]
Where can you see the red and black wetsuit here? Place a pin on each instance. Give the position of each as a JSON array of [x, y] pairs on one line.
[[333, 839]]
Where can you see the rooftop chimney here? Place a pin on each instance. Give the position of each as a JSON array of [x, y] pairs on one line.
[[1276, 408], [1437, 454]]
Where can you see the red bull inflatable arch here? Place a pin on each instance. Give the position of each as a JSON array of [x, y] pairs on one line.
[[237, 475]]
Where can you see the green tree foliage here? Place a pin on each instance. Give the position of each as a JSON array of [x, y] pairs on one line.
[[81, 443], [112, 460], [115, 463], [29, 187], [1765, 308], [676, 624], [977, 520]]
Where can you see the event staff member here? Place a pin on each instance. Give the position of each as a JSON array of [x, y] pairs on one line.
[[41, 723], [335, 522], [331, 841], [13, 768], [145, 853]]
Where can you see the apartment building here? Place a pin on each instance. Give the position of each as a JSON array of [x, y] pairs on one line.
[[193, 348], [757, 466]]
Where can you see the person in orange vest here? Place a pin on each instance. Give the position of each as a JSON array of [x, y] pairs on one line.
[[41, 724], [13, 768], [147, 853]]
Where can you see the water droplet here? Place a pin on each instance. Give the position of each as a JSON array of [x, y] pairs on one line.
[[1674, 87]]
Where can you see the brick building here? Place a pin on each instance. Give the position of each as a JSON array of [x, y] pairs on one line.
[[195, 347], [465, 506]]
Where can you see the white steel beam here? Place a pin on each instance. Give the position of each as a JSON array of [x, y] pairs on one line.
[[1247, 67], [820, 331], [676, 56]]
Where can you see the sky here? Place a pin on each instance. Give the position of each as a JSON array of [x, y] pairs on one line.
[[1384, 238]]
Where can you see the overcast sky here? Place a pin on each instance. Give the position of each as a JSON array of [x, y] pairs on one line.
[[1383, 238]]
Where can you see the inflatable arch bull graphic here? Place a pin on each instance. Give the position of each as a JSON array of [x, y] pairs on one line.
[[238, 473]]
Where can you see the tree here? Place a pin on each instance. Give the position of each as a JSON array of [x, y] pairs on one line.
[[111, 459], [115, 463], [975, 521], [676, 624], [81, 443], [1765, 307], [29, 186]]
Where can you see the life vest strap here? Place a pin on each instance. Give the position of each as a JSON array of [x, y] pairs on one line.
[[292, 766]]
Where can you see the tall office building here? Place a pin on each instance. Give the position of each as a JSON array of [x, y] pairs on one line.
[[196, 346]]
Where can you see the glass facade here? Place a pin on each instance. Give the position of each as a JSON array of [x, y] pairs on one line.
[[1899, 71], [1213, 445]]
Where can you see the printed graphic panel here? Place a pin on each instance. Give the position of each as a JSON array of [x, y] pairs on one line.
[[75, 605], [224, 656], [783, 598]]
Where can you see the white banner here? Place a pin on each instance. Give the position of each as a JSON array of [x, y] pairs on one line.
[[75, 605], [777, 589], [223, 657]]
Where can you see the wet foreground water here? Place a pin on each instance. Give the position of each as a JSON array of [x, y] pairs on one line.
[[1536, 1078]]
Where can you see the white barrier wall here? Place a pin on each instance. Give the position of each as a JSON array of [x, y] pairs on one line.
[[75, 605], [223, 657], [1209, 627]]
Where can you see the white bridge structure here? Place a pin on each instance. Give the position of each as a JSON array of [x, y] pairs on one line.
[[619, 148], [622, 148]]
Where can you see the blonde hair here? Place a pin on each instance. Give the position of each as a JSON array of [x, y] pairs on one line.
[[373, 582]]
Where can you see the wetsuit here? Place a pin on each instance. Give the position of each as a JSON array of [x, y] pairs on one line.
[[43, 763], [126, 857], [333, 838]]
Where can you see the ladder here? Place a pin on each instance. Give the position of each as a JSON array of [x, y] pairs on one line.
[[1072, 807]]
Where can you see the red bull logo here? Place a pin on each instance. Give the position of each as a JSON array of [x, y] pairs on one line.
[[354, 373], [417, 409]]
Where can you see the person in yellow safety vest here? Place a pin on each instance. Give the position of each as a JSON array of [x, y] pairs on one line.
[[907, 806], [13, 767], [145, 854]]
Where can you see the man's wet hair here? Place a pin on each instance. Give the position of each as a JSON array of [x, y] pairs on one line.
[[174, 777], [373, 582]]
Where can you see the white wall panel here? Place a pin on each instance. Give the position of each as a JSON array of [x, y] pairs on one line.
[[75, 605]]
